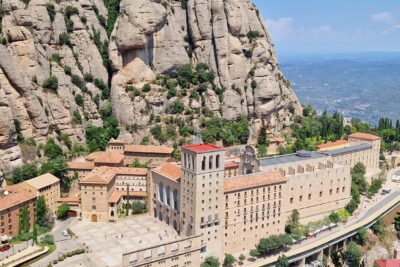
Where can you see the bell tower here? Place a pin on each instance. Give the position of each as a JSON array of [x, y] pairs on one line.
[[202, 192]]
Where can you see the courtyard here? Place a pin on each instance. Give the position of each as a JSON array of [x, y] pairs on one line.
[[107, 242]]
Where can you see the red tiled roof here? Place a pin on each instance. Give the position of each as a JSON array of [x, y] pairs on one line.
[[364, 136], [202, 148], [333, 144], [388, 263], [252, 181], [105, 157], [149, 149], [169, 170], [130, 171], [16, 195], [99, 175], [80, 165], [230, 164]]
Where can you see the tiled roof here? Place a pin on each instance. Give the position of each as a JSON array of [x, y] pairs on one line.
[[202, 147], [69, 199], [364, 136], [16, 195], [42, 181], [99, 175], [388, 263], [169, 170], [332, 144], [148, 149], [105, 157], [80, 165], [116, 195], [130, 171], [276, 140], [252, 181], [230, 164]]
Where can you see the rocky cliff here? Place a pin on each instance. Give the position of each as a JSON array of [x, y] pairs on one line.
[[57, 58]]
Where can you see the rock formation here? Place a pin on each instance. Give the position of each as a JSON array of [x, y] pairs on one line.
[[43, 39]]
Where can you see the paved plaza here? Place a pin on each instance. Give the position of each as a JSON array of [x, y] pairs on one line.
[[108, 241]]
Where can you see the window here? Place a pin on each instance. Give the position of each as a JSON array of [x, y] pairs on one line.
[[309, 196], [210, 162], [320, 194], [291, 200], [203, 163], [217, 161], [301, 198]]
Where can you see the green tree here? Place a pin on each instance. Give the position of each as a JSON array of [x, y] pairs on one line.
[[24, 223], [282, 261], [352, 255], [397, 223], [41, 211], [127, 200], [210, 262], [26, 172], [57, 167], [229, 260], [51, 83], [47, 239], [254, 253], [34, 234], [138, 207], [359, 168], [52, 150], [62, 211], [361, 237], [293, 221], [334, 217]]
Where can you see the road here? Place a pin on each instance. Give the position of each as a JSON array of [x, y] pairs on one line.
[[64, 244]]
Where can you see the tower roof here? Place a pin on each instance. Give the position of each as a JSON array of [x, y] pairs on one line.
[[199, 148]]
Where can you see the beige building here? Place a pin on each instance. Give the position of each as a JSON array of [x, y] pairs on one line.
[[46, 185], [316, 186], [153, 155], [107, 158], [253, 210], [101, 201], [360, 147], [136, 178], [96, 189], [79, 168], [12, 199]]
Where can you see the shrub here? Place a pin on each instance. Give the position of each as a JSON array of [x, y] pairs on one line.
[[64, 39], [253, 34], [229, 260], [88, 77], [62, 211], [253, 84], [47, 239], [146, 87], [83, 19], [51, 83], [176, 108], [67, 70], [105, 91], [70, 10], [79, 100], [52, 150], [51, 11], [75, 79]]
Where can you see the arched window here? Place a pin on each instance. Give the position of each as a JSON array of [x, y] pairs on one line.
[[161, 192], [192, 162], [203, 163], [210, 162], [112, 213], [176, 200], [168, 196], [160, 216], [184, 160], [217, 161]]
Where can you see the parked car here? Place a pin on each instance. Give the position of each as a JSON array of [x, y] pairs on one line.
[[65, 233], [5, 247]]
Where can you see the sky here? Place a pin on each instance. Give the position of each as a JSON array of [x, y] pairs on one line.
[[332, 26]]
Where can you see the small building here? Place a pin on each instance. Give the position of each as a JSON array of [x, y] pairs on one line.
[[46, 185], [231, 169], [154, 155], [79, 168], [106, 158], [12, 200]]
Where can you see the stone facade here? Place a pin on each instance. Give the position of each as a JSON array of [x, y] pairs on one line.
[[45, 185]]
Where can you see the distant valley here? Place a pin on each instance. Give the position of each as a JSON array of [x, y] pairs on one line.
[[365, 86]]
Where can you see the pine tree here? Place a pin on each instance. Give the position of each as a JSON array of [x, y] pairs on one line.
[[127, 200]]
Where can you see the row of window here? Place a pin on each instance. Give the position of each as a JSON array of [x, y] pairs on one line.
[[320, 194]]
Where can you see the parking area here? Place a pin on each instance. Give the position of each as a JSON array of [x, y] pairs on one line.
[[108, 241]]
